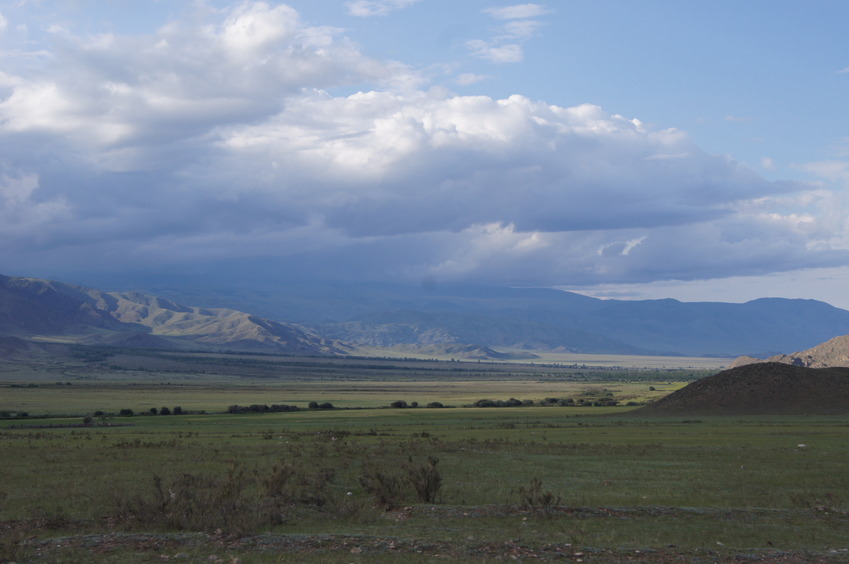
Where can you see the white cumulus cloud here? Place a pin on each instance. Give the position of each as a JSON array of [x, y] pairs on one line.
[[247, 132]]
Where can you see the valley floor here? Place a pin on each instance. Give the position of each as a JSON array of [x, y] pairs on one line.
[[531, 482]]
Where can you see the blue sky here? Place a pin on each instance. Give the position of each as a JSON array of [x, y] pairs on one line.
[[695, 150]]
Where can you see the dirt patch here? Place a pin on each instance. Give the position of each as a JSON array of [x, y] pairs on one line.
[[231, 549]]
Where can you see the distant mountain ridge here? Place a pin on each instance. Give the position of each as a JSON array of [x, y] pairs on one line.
[[469, 321], [541, 319], [52, 311]]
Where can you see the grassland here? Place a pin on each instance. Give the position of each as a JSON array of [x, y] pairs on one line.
[[595, 484]]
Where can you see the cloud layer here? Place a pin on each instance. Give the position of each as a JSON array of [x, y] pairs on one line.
[[246, 132]]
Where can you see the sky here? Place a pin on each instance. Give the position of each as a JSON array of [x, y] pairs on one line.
[[692, 150]]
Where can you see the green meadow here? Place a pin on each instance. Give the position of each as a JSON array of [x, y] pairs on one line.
[[365, 482]]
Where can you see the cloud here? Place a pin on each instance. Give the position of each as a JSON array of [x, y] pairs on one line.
[[242, 134], [467, 79], [496, 52], [370, 8], [164, 92], [518, 11], [831, 170], [506, 45]]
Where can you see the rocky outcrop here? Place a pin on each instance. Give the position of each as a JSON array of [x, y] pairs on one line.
[[832, 353]]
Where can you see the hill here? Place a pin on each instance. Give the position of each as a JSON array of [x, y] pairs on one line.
[[760, 389], [47, 311], [834, 352]]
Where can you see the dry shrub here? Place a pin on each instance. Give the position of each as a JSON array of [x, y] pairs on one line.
[[533, 497]]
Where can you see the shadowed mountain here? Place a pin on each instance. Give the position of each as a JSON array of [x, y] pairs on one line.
[[382, 314], [372, 315], [43, 310], [760, 389]]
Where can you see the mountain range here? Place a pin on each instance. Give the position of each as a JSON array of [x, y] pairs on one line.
[[48, 311], [473, 321]]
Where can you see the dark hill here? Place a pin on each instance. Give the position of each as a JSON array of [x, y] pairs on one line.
[[767, 388]]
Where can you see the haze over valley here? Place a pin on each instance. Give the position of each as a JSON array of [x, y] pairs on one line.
[[459, 321]]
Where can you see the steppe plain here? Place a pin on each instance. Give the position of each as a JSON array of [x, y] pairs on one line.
[[540, 478]]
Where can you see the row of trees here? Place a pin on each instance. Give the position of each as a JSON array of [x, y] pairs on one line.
[[152, 411], [562, 402], [275, 408]]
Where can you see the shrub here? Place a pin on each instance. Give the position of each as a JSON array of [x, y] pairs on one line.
[[126, 412], [238, 502], [533, 497], [435, 404], [425, 479], [485, 403], [164, 411], [400, 404], [386, 487]]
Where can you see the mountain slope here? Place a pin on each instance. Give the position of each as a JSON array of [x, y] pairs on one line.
[[762, 388], [832, 353], [48, 310], [418, 317], [531, 318]]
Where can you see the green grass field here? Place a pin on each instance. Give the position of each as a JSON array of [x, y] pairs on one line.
[[596, 484]]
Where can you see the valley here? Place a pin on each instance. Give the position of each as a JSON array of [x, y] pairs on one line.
[[198, 434], [154, 462]]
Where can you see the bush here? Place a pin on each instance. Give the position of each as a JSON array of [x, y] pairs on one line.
[[391, 486], [425, 479], [435, 404], [386, 487], [533, 497], [400, 404], [126, 412], [164, 411], [239, 502]]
